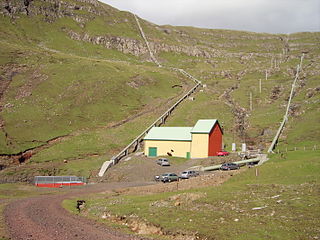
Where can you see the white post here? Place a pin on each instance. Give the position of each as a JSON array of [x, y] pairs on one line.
[[266, 74], [300, 66], [250, 101], [260, 86], [244, 147], [234, 147]]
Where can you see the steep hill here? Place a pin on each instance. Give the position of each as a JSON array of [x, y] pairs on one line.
[[77, 84]]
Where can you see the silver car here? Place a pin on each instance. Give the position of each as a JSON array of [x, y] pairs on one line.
[[189, 173], [163, 162], [167, 177]]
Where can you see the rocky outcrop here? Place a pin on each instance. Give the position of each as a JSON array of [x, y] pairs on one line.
[[188, 50], [311, 92], [51, 9], [136, 47], [125, 45], [54, 9], [276, 92], [240, 113], [93, 2]]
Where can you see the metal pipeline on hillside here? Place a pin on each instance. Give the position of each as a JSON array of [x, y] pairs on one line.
[[285, 117], [161, 120]]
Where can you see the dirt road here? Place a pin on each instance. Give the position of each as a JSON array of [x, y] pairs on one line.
[[43, 218]]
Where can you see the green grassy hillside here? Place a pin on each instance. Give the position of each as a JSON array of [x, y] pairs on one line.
[[281, 202], [71, 100], [77, 84]]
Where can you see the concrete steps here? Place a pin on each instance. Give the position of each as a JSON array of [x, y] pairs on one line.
[[104, 167]]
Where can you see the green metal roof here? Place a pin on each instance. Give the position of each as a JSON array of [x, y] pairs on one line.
[[204, 126], [169, 134]]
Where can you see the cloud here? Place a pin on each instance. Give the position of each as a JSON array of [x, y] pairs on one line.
[[273, 16]]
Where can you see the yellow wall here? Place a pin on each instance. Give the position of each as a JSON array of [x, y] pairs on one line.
[[200, 145], [180, 148]]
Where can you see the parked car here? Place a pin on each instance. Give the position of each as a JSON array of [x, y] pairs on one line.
[[161, 177], [163, 162], [229, 166], [189, 173], [157, 178], [169, 177], [222, 153], [251, 164]]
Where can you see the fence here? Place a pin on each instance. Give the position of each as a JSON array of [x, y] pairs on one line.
[[58, 181], [300, 148]]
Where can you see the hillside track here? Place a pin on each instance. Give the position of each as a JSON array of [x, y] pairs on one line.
[[44, 218]]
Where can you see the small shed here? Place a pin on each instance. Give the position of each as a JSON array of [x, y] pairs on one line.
[[201, 141]]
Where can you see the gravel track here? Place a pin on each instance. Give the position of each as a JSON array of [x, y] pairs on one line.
[[43, 218]]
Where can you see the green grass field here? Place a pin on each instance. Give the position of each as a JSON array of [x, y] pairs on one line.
[[280, 203]]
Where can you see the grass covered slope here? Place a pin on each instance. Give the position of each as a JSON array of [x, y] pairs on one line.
[[73, 100], [280, 203], [59, 96], [62, 96], [77, 83], [232, 64]]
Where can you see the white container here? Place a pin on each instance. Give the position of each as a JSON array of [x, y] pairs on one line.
[[234, 147], [244, 147]]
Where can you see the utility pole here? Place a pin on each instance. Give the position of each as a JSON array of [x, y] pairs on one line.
[[266, 74], [260, 86], [300, 65]]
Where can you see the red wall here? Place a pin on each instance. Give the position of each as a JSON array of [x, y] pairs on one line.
[[57, 185], [215, 140]]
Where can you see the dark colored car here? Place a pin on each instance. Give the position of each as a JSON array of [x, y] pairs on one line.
[[251, 164], [229, 166]]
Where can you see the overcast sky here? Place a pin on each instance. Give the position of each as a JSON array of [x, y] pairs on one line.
[[272, 16]]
